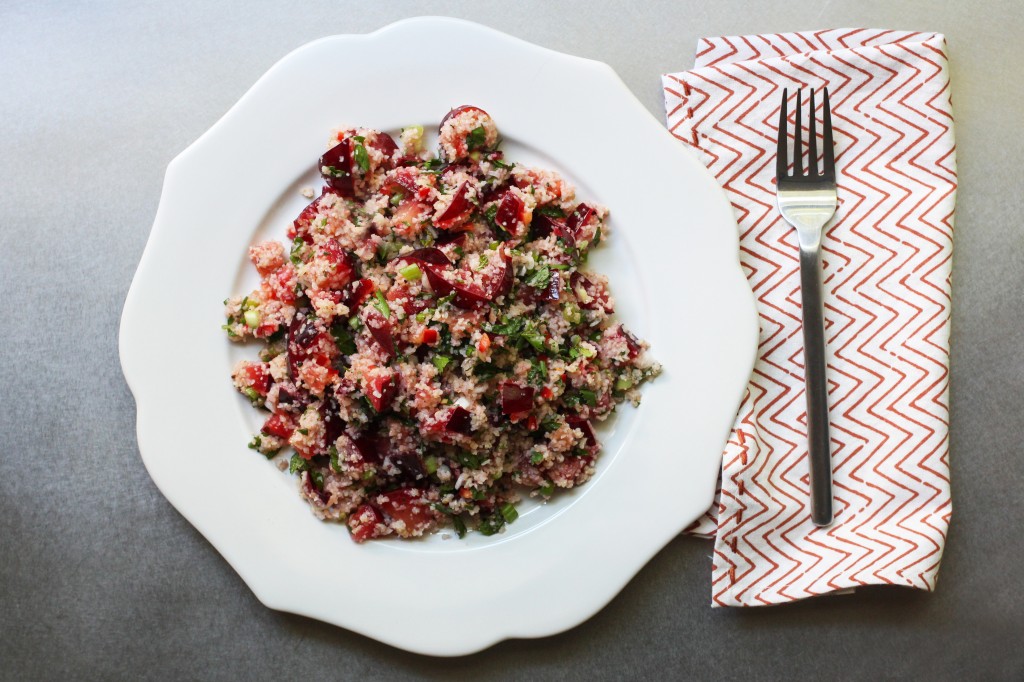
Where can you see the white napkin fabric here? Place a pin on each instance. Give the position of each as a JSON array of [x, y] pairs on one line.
[[886, 273]]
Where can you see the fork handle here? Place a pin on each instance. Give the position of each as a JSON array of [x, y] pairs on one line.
[[819, 457]]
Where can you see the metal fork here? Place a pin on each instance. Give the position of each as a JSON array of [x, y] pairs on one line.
[[808, 202]]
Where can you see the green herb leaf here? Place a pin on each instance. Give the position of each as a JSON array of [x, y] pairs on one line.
[[343, 338], [485, 370], [476, 138], [490, 525], [533, 337], [318, 479], [460, 526], [359, 154], [297, 464], [539, 278], [441, 361], [333, 453], [538, 373], [589, 397], [296, 251], [551, 211], [468, 459], [536, 457]]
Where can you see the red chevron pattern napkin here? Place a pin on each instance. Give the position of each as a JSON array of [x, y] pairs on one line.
[[886, 278]]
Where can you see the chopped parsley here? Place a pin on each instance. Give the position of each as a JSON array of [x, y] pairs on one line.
[[362, 159], [538, 373], [476, 139], [343, 339], [441, 361], [297, 464], [539, 278]]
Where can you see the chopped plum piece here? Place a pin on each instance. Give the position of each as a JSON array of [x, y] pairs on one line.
[[457, 211], [591, 293], [336, 168], [357, 294], [510, 214], [516, 399], [584, 426], [380, 330]]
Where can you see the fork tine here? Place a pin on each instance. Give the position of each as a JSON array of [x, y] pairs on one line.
[[780, 155], [828, 162], [812, 143], [798, 145]]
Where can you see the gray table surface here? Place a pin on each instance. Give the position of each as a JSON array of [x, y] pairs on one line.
[[100, 578]]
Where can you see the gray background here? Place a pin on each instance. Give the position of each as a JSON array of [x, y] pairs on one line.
[[101, 578]]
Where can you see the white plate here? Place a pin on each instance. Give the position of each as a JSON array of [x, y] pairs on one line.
[[673, 263]]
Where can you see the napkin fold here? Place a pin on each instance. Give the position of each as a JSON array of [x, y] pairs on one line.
[[886, 273]]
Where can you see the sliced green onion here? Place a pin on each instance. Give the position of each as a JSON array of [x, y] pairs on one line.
[[623, 383], [571, 313], [381, 304], [536, 458], [252, 318], [411, 272], [547, 489], [509, 512], [252, 395], [430, 464], [460, 526]]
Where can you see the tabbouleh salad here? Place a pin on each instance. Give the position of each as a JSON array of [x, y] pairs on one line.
[[433, 350]]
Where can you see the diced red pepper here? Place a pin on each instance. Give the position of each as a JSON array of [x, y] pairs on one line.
[[363, 523], [406, 505], [280, 425], [258, 377]]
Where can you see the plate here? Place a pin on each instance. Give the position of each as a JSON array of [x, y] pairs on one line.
[[673, 262]]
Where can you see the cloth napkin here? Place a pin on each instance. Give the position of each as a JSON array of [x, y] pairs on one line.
[[886, 273]]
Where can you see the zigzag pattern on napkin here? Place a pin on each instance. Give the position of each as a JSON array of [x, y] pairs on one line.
[[886, 267]]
